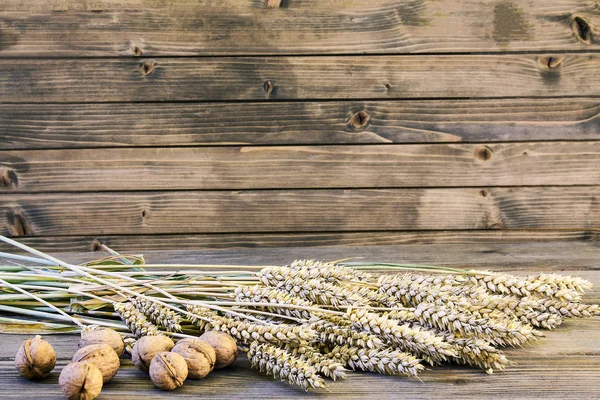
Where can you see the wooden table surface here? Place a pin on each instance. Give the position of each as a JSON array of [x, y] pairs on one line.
[[565, 364]]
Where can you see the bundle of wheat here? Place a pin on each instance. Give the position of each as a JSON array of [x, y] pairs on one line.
[[305, 321]]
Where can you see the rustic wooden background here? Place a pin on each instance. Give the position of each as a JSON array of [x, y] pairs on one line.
[[459, 132]]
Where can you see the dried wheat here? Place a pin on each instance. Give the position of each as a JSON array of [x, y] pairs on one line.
[[247, 332], [261, 294], [158, 314], [135, 320], [425, 344], [271, 360], [384, 361]]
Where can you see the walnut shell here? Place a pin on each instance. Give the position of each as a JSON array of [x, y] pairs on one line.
[[80, 381], [199, 356], [35, 358], [225, 347], [168, 370], [147, 347], [102, 356], [103, 335]]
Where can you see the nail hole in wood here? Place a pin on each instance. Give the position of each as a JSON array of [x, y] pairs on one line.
[[388, 86], [525, 153], [147, 67], [96, 246], [483, 193], [359, 120], [137, 51], [9, 179], [483, 153], [582, 30], [273, 3], [144, 213], [268, 86]]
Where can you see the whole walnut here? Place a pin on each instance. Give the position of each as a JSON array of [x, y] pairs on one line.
[[147, 347], [35, 358], [102, 356], [199, 356], [97, 335], [80, 381], [168, 370], [225, 347]]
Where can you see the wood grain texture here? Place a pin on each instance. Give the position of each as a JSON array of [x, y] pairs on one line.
[[564, 365], [556, 255], [44, 126], [299, 210], [556, 242], [304, 167], [106, 28], [260, 78]]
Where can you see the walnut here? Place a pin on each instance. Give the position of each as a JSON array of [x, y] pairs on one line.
[[168, 370], [80, 381], [102, 356], [35, 358], [224, 345], [97, 335], [147, 347], [199, 356]]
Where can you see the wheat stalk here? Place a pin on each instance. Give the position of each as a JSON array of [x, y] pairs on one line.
[[158, 315], [137, 322], [247, 332], [272, 360], [426, 344], [383, 361]]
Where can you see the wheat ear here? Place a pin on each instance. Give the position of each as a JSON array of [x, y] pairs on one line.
[[272, 360]]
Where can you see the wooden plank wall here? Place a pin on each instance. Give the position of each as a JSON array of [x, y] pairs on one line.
[[155, 124]]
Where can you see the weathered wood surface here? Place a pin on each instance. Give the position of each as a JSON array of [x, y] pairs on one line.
[[260, 78], [298, 167], [564, 365], [299, 210], [107, 28], [556, 242], [578, 258], [45, 126]]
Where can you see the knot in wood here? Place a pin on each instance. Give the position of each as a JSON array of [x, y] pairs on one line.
[[18, 225], [359, 120], [550, 62], [147, 67], [273, 3], [483, 153], [137, 51], [9, 179], [582, 30], [268, 86]]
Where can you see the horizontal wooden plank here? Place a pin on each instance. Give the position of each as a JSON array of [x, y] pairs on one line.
[[462, 250], [31, 126], [299, 210], [106, 28], [371, 166], [501, 242], [260, 78]]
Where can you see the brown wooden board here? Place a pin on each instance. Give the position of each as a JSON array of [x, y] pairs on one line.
[[558, 244], [109, 213], [40, 126], [564, 365], [279, 78], [65, 28], [554, 163]]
